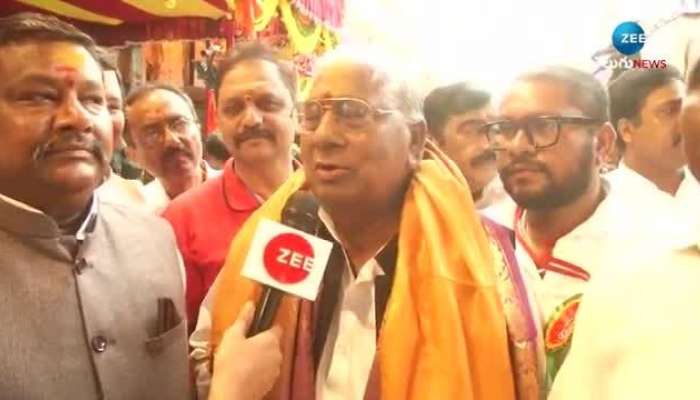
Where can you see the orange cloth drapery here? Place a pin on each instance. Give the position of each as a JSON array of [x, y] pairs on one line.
[[444, 333]]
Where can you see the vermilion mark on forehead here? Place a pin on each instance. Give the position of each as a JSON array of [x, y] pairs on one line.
[[68, 74]]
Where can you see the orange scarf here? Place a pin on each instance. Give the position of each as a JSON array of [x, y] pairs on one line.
[[444, 332]]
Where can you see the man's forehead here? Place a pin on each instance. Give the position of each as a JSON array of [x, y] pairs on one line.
[[347, 78], [672, 91], [536, 97], [156, 104], [253, 75], [60, 59], [482, 112]]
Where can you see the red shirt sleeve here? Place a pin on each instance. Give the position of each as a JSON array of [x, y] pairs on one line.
[[194, 284]]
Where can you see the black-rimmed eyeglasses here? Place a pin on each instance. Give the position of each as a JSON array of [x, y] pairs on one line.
[[154, 133], [542, 131]]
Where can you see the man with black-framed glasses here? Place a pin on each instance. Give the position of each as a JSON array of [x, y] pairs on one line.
[[549, 136], [637, 330]]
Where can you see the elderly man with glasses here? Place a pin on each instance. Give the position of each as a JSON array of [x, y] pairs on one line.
[[163, 133], [409, 307]]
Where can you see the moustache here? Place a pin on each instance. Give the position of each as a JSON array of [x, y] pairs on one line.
[[520, 164], [173, 152], [487, 156], [91, 145], [253, 133]]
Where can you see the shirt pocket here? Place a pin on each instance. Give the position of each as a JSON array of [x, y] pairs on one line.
[[178, 334]]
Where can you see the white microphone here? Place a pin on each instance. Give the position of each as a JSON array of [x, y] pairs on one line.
[[286, 258]]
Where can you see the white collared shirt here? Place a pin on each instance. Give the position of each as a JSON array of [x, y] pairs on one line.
[[586, 246], [672, 216], [618, 227], [157, 199], [350, 347], [637, 332]]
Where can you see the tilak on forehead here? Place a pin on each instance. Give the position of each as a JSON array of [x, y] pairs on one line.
[[67, 73], [68, 65]]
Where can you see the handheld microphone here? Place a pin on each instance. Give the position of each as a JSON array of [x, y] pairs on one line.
[[293, 258]]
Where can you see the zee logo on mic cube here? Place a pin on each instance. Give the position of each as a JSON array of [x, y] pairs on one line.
[[287, 259]]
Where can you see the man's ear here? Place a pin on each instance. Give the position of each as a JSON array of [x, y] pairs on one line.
[[418, 131], [437, 139], [624, 130], [604, 141]]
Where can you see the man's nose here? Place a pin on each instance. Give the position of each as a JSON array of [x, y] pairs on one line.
[[172, 138], [328, 131], [251, 116], [73, 116], [522, 142]]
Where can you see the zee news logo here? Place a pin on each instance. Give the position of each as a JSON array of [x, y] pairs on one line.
[[629, 38]]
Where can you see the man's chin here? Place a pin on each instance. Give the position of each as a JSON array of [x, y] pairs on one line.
[[180, 165], [255, 153], [527, 197], [334, 196], [75, 180]]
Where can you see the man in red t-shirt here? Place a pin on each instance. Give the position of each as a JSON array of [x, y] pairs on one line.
[[256, 96]]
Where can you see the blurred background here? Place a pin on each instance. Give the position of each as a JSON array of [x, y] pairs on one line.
[[440, 41]]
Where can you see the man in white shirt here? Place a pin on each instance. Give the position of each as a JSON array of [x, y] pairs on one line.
[[637, 330], [549, 133], [644, 108], [163, 132], [454, 114]]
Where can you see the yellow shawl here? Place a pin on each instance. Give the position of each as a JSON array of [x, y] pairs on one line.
[[444, 332]]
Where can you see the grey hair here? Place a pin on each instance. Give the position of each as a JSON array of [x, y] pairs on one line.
[[386, 72]]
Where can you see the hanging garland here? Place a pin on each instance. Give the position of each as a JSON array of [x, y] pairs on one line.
[[329, 40], [303, 39], [328, 13], [268, 10]]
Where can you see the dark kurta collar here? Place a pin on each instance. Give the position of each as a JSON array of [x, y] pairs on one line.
[[22, 220], [329, 295]]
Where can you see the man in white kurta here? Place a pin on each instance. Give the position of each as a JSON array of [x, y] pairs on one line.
[[644, 108], [645, 200], [637, 331], [568, 220]]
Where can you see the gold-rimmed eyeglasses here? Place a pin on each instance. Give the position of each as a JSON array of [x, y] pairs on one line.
[[353, 112]]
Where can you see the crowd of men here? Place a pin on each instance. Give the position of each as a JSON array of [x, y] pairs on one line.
[[542, 246]]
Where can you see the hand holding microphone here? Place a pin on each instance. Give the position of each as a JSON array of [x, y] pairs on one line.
[[287, 258], [246, 368]]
